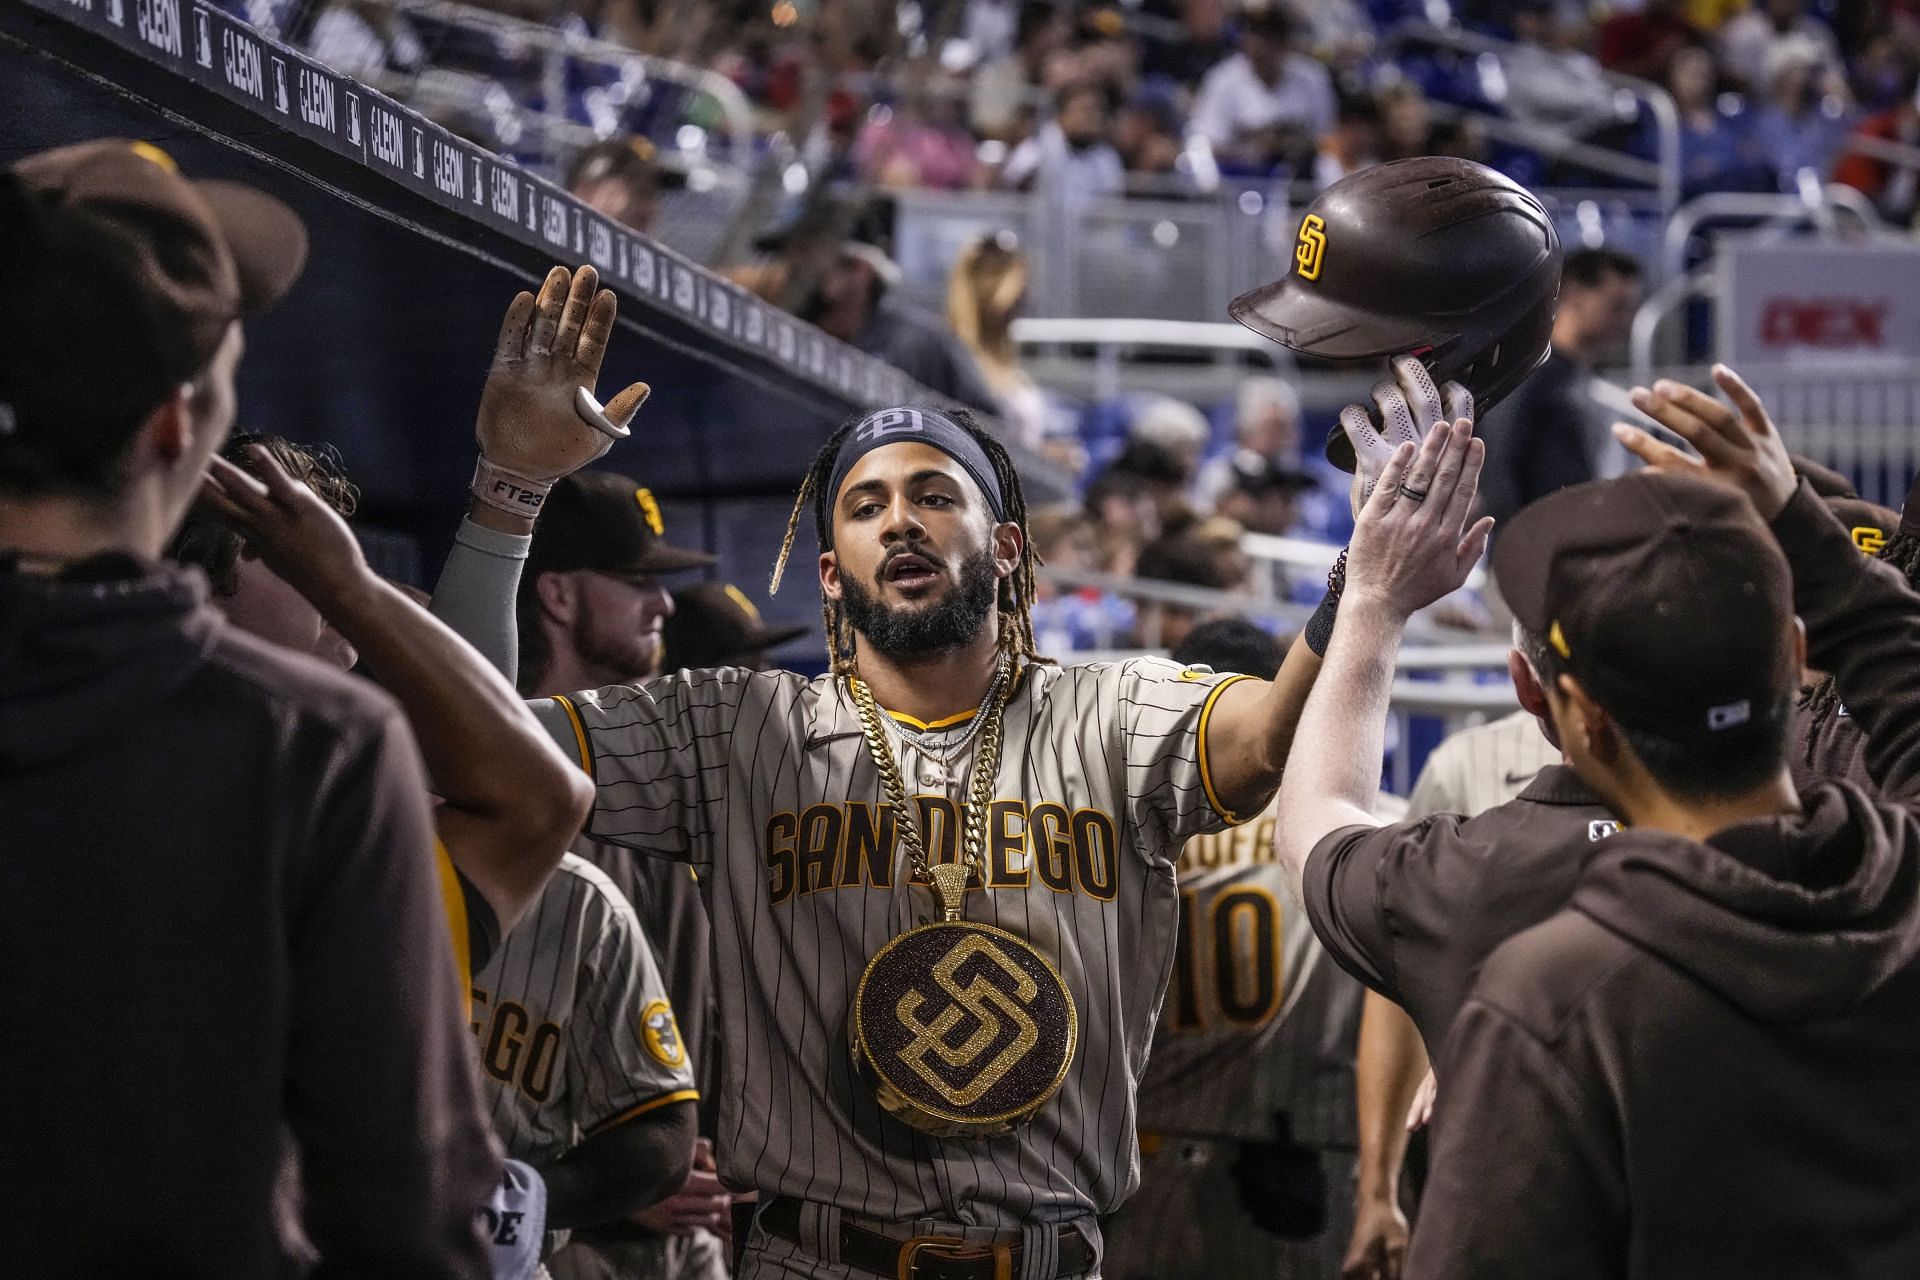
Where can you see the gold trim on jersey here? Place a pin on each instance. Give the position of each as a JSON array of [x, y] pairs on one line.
[[579, 732], [453, 900], [651, 1104], [1206, 773], [947, 722]]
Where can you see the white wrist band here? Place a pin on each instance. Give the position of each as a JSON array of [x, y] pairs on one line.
[[508, 492]]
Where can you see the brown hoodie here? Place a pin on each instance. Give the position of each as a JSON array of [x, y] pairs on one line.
[[219, 930], [1709, 1064]]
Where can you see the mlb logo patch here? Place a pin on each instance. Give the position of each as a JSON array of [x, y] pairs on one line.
[[1600, 828]]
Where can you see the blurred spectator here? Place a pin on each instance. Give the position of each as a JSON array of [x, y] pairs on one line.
[[1070, 155], [850, 299], [1890, 187], [1406, 122], [621, 178], [1716, 146], [1747, 42], [1552, 80], [924, 141], [1265, 496], [984, 294], [1551, 433], [1337, 31], [1708, 16], [1353, 143], [1803, 123], [1640, 43], [1223, 537], [1183, 559], [1133, 499], [1266, 428], [358, 37], [1175, 426], [1146, 133], [1002, 92], [1083, 617], [1202, 43], [1266, 104]]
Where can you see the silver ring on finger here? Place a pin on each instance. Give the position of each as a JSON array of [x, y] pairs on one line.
[[1418, 495]]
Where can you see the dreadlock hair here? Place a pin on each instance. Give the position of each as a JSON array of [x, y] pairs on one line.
[[1016, 592], [1821, 701]]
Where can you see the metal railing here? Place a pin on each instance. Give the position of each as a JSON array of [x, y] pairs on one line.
[[1472, 688], [1815, 205], [1662, 173], [1161, 257], [1286, 615]]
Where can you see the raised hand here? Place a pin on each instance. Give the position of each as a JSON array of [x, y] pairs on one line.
[[1406, 406], [292, 530], [1411, 543], [538, 417], [1744, 451]]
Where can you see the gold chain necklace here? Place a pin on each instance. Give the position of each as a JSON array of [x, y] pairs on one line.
[[949, 879]]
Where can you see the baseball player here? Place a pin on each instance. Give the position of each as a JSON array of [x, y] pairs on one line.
[[585, 1072], [829, 819], [284, 565], [1247, 1121]]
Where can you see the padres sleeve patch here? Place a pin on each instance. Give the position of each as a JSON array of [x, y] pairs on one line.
[[660, 1034]]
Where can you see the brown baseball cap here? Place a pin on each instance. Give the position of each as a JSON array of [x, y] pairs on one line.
[[715, 624], [1665, 596], [608, 523], [149, 268]]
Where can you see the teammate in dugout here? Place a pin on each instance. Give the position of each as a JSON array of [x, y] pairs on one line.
[[1250, 1126], [244, 835], [578, 1033], [1701, 1064], [791, 796], [584, 1075]]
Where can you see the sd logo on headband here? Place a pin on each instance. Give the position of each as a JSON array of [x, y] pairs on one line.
[[891, 422]]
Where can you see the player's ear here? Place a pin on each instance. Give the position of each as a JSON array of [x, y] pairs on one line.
[[1009, 540], [1581, 719], [829, 575], [559, 596]]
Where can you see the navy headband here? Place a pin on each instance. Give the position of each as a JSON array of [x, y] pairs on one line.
[[917, 426]]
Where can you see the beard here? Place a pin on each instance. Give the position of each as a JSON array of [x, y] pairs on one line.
[[632, 655], [948, 623]]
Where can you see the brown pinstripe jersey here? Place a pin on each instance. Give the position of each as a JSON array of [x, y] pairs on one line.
[[764, 782]]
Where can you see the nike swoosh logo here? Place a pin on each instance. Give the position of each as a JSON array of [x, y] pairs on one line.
[[1516, 779], [817, 740]]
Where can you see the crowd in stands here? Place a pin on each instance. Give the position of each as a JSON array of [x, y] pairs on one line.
[[1167, 96]]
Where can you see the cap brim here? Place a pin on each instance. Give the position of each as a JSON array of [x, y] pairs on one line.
[[1523, 558], [774, 637], [1294, 316], [662, 557], [875, 257], [267, 239]]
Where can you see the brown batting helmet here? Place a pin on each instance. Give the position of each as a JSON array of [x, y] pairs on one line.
[[1434, 257]]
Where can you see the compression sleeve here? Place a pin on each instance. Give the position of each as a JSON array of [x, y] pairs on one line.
[[476, 592]]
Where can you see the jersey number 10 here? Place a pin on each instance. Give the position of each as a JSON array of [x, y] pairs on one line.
[[1227, 969]]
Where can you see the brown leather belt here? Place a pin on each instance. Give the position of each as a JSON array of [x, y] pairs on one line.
[[925, 1257]]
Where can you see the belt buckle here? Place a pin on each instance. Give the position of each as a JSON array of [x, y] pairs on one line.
[[954, 1249]]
